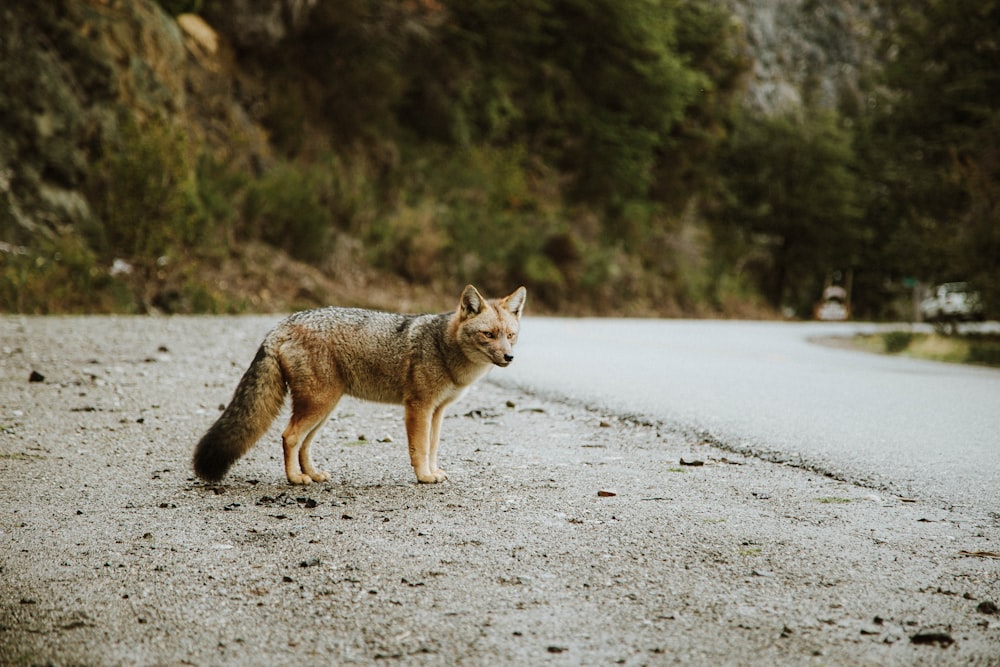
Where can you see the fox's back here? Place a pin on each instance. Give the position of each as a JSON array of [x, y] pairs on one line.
[[370, 350]]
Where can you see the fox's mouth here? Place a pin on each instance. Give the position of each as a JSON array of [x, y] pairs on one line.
[[504, 361]]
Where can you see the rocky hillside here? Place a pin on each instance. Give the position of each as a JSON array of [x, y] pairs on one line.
[[82, 79], [807, 51], [74, 71], [77, 78]]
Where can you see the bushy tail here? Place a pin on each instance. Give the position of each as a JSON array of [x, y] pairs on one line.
[[256, 403]]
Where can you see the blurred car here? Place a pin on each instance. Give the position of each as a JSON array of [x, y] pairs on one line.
[[952, 302], [833, 306]]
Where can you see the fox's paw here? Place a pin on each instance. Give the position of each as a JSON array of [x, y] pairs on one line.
[[299, 478], [434, 477], [318, 475]]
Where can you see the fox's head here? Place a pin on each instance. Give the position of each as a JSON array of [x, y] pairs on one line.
[[487, 329]]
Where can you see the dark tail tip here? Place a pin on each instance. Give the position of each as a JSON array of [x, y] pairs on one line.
[[212, 459]]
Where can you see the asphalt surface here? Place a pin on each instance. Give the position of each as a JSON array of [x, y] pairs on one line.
[[922, 429], [568, 534]]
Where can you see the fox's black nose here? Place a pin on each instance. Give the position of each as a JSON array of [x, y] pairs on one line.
[[508, 358]]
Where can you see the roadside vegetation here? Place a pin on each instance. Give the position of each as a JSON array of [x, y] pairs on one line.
[[967, 348], [594, 150]]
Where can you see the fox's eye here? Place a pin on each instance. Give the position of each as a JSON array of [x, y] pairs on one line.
[[489, 334], [510, 336]]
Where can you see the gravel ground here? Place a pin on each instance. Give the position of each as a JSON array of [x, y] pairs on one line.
[[565, 535]]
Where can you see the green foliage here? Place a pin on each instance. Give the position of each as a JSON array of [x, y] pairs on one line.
[[470, 215], [143, 191], [896, 341], [220, 190], [558, 143], [543, 141], [789, 197], [594, 86], [959, 348], [58, 275], [933, 153], [285, 209], [984, 349]]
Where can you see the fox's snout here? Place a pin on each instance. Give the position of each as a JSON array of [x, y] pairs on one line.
[[502, 352]]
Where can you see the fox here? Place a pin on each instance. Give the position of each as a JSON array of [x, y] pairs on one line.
[[424, 362]]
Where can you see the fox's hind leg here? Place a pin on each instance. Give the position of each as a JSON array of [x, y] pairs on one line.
[[309, 413], [305, 460]]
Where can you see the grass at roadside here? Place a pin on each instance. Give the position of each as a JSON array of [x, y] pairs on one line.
[[976, 348]]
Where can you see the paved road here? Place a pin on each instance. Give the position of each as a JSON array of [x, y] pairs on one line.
[[917, 428]]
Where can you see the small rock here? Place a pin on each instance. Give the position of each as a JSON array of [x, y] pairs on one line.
[[36, 377], [942, 639], [312, 562], [987, 607], [693, 462], [606, 494]]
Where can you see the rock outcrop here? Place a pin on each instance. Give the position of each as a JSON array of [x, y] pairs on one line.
[[72, 71]]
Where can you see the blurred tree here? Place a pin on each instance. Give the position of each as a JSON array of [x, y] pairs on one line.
[[935, 191], [595, 87], [788, 197]]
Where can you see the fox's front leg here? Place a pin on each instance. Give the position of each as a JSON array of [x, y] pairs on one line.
[[418, 433], [435, 438]]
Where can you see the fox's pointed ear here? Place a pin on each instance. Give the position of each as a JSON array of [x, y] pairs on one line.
[[472, 302], [514, 303]]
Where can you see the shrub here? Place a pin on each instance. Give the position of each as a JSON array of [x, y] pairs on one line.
[[59, 275], [984, 349], [144, 192], [896, 341], [284, 209]]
